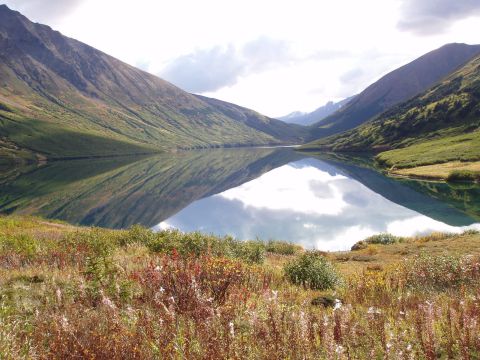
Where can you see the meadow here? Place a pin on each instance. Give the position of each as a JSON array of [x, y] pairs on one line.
[[75, 292]]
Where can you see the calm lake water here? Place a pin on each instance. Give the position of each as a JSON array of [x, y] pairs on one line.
[[279, 194]]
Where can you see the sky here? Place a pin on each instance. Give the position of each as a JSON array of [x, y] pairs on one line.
[[273, 56]]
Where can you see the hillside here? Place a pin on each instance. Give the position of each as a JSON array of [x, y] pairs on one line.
[[439, 126], [321, 113], [62, 98], [396, 87]]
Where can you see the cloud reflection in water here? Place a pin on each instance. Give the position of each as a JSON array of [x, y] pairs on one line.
[[307, 202]]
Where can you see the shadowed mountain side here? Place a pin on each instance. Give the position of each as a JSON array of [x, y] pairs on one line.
[[62, 98], [433, 200], [121, 192]]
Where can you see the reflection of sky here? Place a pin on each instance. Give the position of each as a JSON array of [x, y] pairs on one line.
[[306, 202]]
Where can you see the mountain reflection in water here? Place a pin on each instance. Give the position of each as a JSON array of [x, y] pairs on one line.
[[247, 193]]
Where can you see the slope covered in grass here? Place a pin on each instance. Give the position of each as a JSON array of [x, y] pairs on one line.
[[79, 101], [441, 125]]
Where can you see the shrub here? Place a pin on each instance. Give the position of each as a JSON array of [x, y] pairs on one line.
[[282, 248], [197, 244], [137, 234], [440, 272], [250, 251], [359, 245], [312, 270], [463, 175], [384, 239]]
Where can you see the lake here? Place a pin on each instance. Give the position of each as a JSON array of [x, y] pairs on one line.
[[319, 202]]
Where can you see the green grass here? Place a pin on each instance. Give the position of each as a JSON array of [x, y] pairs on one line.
[[57, 141], [465, 147]]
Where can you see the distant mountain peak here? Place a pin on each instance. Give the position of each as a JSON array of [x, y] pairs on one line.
[[305, 119]]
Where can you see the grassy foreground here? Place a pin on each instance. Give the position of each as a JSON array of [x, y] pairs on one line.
[[70, 292]]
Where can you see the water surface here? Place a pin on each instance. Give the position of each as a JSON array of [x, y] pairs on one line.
[[247, 193]]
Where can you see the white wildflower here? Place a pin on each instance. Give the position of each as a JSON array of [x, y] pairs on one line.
[[232, 329], [58, 293], [64, 322], [108, 303], [338, 304], [373, 310]]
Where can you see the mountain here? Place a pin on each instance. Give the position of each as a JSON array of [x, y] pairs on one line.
[[438, 126], [396, 87], [62, 98], [292, 115], [321, 113]]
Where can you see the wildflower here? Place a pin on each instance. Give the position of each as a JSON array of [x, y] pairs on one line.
[[339, 349], [58, 293], [373, 310], [64, 322], [107, 302], [232, 329], [338, 304], [409, 347], [157, 268]]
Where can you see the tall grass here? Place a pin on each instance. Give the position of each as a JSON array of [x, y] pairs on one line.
[[134, 295]]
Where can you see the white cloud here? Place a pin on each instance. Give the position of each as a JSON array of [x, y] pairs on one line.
[[429, 17], [307, 45], [212, 69]]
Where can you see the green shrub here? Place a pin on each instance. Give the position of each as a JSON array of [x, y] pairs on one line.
[[440, 272], [384, 239], [312, 270], [22, 244], [471, 232], [463, 175], [359, 245], [282, 248], [250, 251], [137, 234], [197, 244]]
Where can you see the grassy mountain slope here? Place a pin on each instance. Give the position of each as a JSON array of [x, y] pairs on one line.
[[64, 91], [396, 87], [254, 120], [439, 126]]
